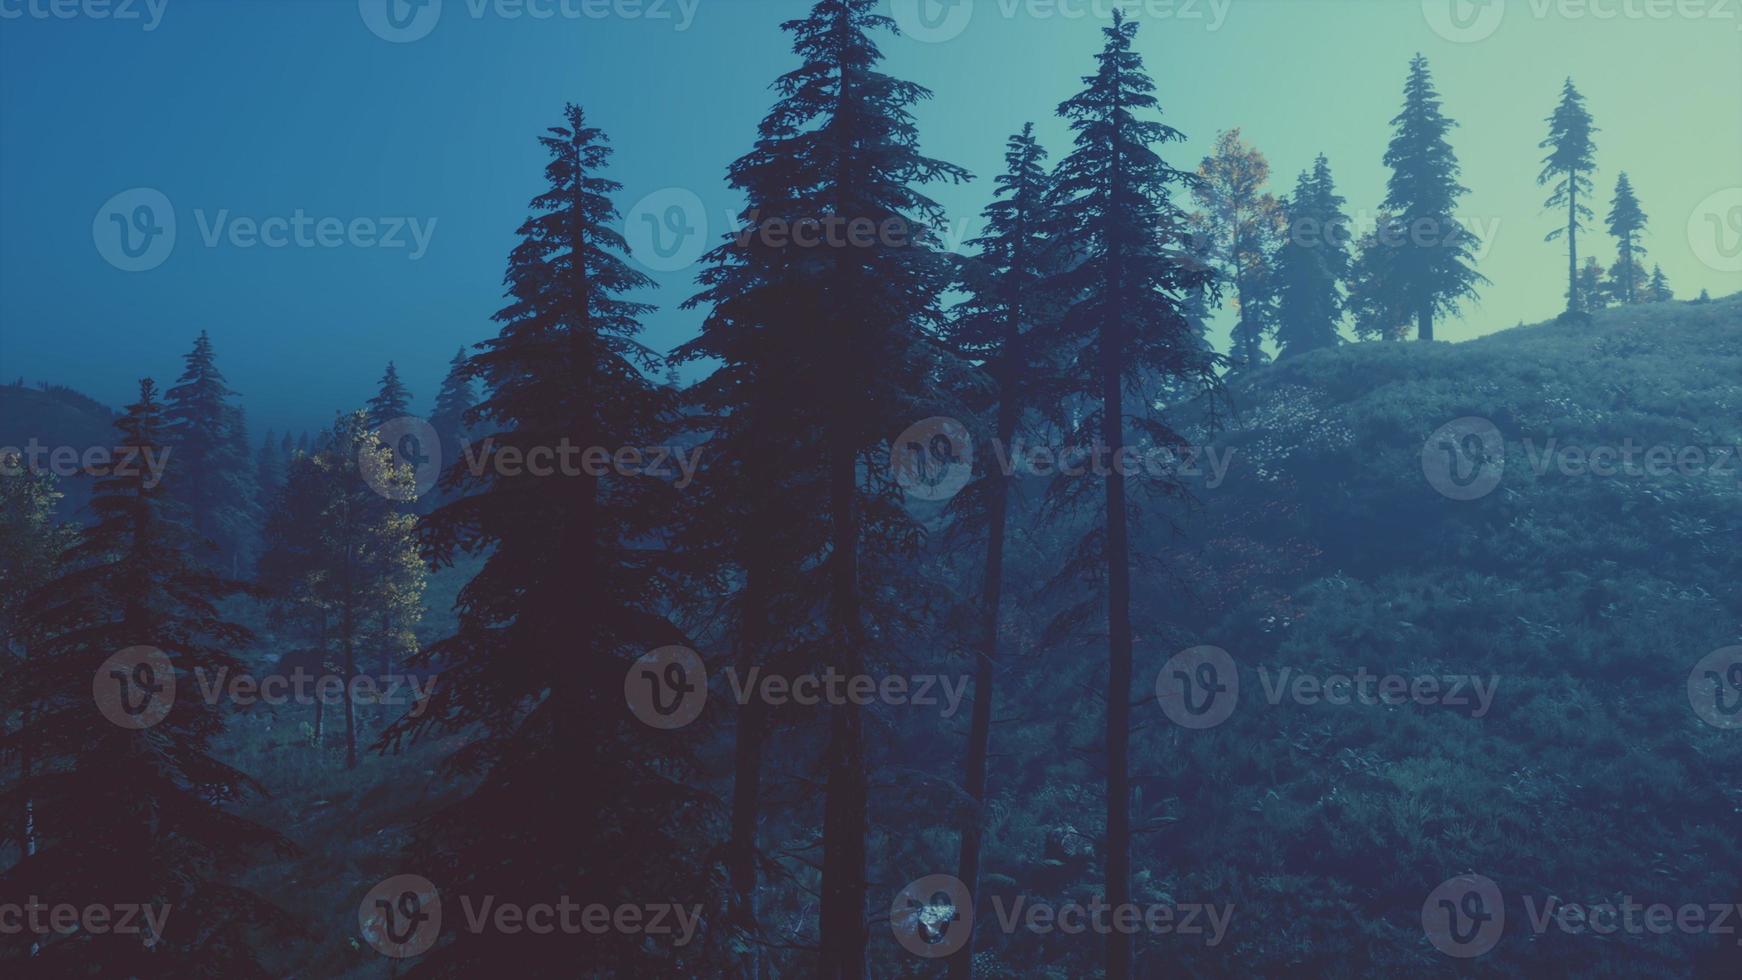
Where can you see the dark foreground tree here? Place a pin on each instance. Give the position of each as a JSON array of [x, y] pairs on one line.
[[1571, 159], [1427, 271], [1129, 280], [128, 803], [571, 592]]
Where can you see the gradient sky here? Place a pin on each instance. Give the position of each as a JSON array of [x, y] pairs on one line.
[[256, 109]]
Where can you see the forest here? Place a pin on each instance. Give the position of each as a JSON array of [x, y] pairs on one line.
[[1141, 585]]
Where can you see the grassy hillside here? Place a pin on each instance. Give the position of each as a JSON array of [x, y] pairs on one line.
[[1581, 602]]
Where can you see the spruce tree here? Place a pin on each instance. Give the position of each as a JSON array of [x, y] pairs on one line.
[[1127, 288], [143, 813], [453, 403], [1568, 168], [1588, 287], [1627, 222], [1242, 225], [208, 468], [570, 594], [392, 399], [268, 467], [1621, 281], [1312, 265], [1006, 286], [1427, 271], [1658, 291]]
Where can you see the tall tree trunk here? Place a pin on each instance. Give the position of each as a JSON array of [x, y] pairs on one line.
[[1424, 321], [980, 724], [747, 782], [845, 792], [1627, 267], [1119, 946], [348, 626], [1574, 303]]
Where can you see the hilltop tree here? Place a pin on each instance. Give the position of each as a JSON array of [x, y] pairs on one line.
[[1588, 287], [1658, 291], [1006, 286], [1619, 286], [392, 399], [569, 595], [1242, 224], [134, 814], [208, 468], [1427, 265], [1126, 287], [1312, 265], [1627, 222], [1568, 167]]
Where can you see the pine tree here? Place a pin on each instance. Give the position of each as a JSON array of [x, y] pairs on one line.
[[1242, 225], [1620, 283], [1127, 293], [268, 468], [453, 403], [1312, 265], [1568, 167], [135, 814], [1006, 285], [1588, 289], [1658, 291], [569, 595], [208, 469], [1427, 268], [392, 400], [1627, 222]]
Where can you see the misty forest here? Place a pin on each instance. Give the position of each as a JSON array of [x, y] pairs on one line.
[[1164, 567]]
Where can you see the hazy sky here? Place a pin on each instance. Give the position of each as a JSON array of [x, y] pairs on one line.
[[239, 112]]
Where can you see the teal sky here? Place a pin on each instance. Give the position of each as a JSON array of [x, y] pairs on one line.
[[248, 109]]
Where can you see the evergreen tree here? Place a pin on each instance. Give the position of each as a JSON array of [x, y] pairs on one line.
[[1619, 284], [1312, 265], [1006, 285], [1427, 268], [337, 535], [1658, 291], [134, 814], [1242, 225], [453, 404], [1126, 294], [209, 463], [1627, 222], [1568, 167], [391, 401], [1588, 288], [569, 595], [269, 468]]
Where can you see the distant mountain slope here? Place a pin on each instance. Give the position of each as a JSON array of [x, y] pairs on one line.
[[52, 418]]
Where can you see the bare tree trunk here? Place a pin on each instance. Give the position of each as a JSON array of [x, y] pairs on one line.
[[747, 783]]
